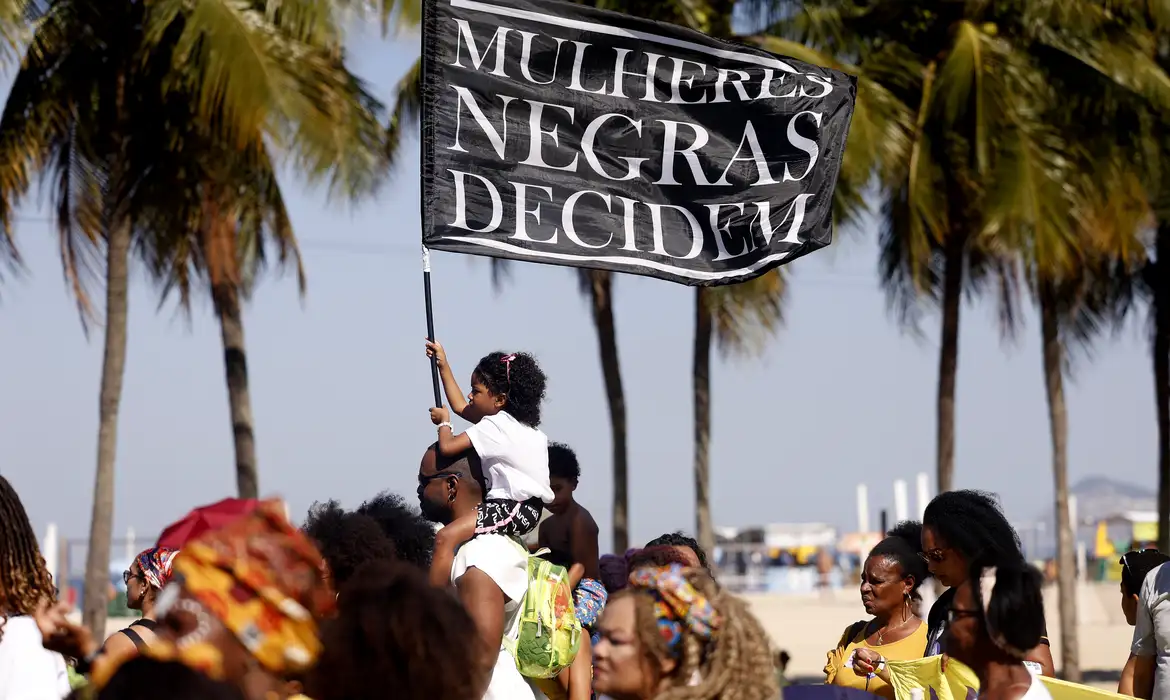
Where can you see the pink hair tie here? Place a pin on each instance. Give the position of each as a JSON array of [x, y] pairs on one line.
[[507, 360]]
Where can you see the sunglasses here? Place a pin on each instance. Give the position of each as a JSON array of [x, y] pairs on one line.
[[958, 614], [935, 555], [127, 575], [425, 480], [1124, 561]]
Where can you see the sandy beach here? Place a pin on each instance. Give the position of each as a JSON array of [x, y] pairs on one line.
[[808, 626]]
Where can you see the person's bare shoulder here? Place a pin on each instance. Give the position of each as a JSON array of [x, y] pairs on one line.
[[586, 519]]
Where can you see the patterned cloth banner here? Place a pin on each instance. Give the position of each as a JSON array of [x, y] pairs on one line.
[[923, 679]]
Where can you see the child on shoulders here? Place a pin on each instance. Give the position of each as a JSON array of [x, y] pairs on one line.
[[504, 409]]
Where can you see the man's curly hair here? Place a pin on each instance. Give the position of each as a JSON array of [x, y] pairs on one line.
[[394, 630], [520, 381], [347, 540], [412, 534]]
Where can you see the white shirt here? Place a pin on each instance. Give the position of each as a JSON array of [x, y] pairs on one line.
[[29, 671], [1151, 632], [514, 456], [1037, 691], [504, 563]]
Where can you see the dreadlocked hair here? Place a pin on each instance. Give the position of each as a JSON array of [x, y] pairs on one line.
[[736, 665], [24, 578]]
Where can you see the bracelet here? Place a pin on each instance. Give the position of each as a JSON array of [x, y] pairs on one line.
[[444, 424], [84, 666]]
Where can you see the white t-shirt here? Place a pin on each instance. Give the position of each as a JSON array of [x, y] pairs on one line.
[[1037, 691], [505, 564], [514, 456], [29, 671], [1151, 632]]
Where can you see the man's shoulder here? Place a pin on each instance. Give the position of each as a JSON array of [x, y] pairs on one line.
[[1157, 583], [503, 560], [497, 547]]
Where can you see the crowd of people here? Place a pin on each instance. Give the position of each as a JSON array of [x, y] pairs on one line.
[[435, 603]]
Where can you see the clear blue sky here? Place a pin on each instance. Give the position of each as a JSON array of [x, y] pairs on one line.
[[341, 386]]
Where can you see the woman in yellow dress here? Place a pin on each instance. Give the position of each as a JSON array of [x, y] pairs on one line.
[[889, 589]]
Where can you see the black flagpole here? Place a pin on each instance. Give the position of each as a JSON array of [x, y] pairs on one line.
[[431, 322]]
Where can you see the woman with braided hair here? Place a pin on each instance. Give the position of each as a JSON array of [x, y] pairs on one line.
[[28, 671], [673, 635]]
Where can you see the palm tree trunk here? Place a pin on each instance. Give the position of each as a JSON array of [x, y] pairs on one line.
[[1058, 421], [231, 325], [601, 298], [101, 527], [948, 359], [701, 377], [1161, 284]]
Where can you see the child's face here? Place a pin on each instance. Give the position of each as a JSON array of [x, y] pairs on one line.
[[1129, 604], [481, 402], [562, 493]]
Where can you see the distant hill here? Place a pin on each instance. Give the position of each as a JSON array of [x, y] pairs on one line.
[[1100, 496]]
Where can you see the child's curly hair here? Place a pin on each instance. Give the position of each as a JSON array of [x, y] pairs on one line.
[[518, 379], [736, 665]]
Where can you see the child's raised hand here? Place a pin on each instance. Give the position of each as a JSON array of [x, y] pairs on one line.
[[440, 415], [436, 351]]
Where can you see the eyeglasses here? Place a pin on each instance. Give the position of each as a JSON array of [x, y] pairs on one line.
[[934, 555], [127, 575]]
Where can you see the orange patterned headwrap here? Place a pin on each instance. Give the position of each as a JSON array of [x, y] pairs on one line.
[[260, 577]]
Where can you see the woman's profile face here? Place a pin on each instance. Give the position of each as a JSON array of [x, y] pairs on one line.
[[620, 670], [946, 563], [964, 629], [136, 587], [884, 587]]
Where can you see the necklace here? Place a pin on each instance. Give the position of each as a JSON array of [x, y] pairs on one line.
[[881, 634]]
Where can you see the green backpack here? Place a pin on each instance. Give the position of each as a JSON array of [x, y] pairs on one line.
[[547, 634]]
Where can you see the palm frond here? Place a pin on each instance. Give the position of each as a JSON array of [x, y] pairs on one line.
[[407, 109], [744, 316]]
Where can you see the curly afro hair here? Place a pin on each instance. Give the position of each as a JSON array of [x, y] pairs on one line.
[[412, 534], [394, 630], [973, 524], [562, 462], [678, 539], [518, 379], [903, 544], [347, 540]]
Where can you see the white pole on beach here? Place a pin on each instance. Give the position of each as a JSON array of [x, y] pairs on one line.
[[901, 501], [50, 552], [862, 508], [130, 550], [923, 488]]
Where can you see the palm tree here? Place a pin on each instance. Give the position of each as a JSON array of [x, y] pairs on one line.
[[982, 170], [93, 86], [738, 319]]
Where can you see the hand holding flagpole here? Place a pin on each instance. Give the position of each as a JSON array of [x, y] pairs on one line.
[[426, 257]]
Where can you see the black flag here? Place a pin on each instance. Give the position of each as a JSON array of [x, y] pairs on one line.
[[562, 134]]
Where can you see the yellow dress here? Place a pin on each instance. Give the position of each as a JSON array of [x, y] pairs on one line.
[[839, 669]]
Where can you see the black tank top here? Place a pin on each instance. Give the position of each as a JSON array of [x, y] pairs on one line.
[[139, 643]]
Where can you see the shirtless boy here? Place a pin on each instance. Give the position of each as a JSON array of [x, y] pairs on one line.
[[570, 528]]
